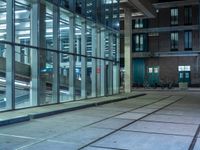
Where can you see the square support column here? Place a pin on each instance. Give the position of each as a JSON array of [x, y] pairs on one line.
[[103, 68], [10, 56], [128, 51], [83, 60], [56, 60], [37, 39], [98, 70], [110, 65], [116, 68], [94, 62], [71, 57]]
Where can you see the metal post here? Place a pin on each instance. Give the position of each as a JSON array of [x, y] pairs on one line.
[[10, 56]]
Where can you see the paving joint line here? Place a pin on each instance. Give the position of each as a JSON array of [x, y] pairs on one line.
[[192, 145], [169, 122], [181, 135], [108, 148], [129, 124]]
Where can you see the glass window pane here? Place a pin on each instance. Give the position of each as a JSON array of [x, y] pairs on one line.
[[22, 22]]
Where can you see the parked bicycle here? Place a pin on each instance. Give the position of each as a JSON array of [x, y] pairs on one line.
[[167, 84]]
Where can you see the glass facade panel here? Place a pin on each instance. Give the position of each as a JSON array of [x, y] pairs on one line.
[[22, 25], [64, 57], [58, 51], [3, 83], [22, 79]]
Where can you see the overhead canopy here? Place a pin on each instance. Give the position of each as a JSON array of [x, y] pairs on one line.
[[139, 8]]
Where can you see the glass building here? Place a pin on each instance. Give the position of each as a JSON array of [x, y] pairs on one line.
[[53, 51]]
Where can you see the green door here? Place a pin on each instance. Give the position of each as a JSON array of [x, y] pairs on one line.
[[184, 76], [138, 72], [153, 75]]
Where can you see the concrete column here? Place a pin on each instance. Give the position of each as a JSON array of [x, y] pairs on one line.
[[10, 56], [94, 62], [56, 60], [103, 68], [116, 68], [43, 53], [83, 61], [71, 58], [128, 51], [37, 39], [98, 69], [110, 65]]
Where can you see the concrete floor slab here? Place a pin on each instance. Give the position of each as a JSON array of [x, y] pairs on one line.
[[47, 127], [165, 128], [132, 116], [144, 141], [14, 142], [113, 123], [52, 145], [197, 145], [82, 136]]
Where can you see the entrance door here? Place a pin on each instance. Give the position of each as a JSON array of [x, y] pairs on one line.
[[138, 72], [153, 75], [184, 74]]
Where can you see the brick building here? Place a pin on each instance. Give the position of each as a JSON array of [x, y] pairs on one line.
[[166, 47]]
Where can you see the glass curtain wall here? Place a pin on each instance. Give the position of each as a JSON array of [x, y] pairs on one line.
[[57, 51]]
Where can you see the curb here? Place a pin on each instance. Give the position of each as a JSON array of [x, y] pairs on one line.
[[28, 117]]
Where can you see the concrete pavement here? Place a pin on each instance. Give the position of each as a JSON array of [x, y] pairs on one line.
[[21, 115], [156, 121]]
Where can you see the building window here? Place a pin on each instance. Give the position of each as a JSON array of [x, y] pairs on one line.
[[184, 68], [188, 15], [140, 42], [174, 16], [174, 41], [139, 23], [188, 40]]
